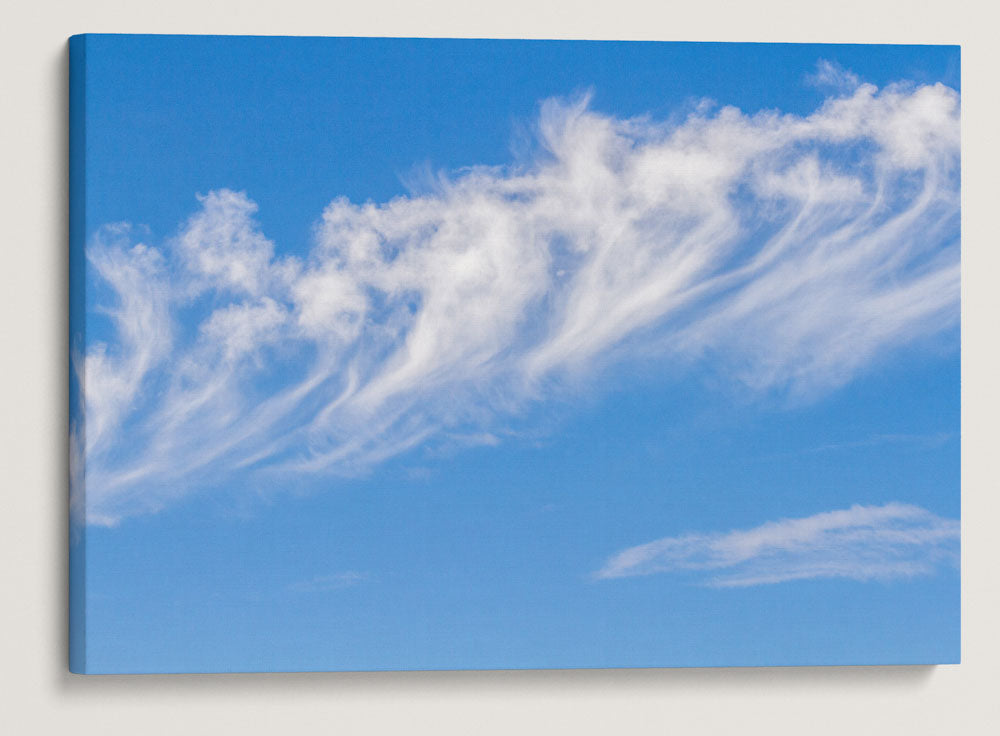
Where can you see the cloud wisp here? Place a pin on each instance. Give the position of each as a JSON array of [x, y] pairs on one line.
[[789, 252], [329, 583], [861, 543]]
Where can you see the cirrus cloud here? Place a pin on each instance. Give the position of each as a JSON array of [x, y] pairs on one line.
[[789, 251], [860, 543]]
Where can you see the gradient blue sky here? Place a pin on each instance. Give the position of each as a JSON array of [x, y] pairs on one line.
[[483, 545]]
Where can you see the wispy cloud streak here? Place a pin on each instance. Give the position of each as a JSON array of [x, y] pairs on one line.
[[329, 583], [789, 251], [860, 543]]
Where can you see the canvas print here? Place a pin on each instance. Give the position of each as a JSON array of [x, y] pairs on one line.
[[396, 354]]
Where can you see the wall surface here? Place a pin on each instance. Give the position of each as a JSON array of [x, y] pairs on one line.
[[40, 696]]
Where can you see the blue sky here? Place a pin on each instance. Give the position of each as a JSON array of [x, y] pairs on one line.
[[640, 355]]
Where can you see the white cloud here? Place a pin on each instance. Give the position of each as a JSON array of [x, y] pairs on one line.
[[221, 247], [790, 251], [860, 543], [833, 75], [143, 331], [328, 583]]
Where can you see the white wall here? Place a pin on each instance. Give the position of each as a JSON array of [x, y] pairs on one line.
[[39, 696]]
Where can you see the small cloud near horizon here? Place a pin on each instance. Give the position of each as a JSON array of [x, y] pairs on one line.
[[861, 543], [326, 583]]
